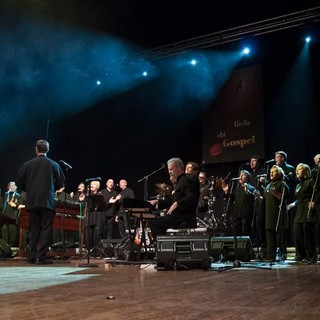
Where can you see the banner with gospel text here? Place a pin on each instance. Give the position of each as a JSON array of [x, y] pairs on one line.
[[233, 128]]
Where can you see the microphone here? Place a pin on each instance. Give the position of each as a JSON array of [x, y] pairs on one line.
[[93, 179], [261, 175], [234, 179], [202, 164], [67, 165], [246, 164], [289, 175], [162, 166], [269, 161]]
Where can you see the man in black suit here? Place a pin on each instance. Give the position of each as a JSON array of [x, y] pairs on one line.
[[258, 178], [40, 177], [183, 204], [111, 198], [125, 193]]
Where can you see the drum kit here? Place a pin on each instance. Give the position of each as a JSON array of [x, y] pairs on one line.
[[163, 190], [216, 216], [213, 219]]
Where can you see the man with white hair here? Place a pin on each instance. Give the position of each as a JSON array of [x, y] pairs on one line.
[[183, 203], [95, 218]]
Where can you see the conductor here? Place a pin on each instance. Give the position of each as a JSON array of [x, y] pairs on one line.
[[40, 177]]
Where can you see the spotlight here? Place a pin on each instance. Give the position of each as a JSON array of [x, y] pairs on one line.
[[193, 62], [144, 73], [98, 83], [246, 51], [308, 39]]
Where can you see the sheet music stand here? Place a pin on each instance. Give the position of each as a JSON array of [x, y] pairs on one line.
[[94, 202]]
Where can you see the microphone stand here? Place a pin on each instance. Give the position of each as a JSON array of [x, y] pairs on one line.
[[267, 168], [280, 207], [146, 196], [256, 219], [237, 262], [280, 220], [313, 192], [63, 230], [145, 179]]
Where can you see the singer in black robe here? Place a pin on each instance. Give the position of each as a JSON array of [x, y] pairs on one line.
[[241, 204], [305, 219], [275, 197]]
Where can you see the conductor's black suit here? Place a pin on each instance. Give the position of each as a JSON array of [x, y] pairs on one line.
[[40, 177]]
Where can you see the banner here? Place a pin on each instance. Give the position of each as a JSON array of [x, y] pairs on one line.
[[233, 128]]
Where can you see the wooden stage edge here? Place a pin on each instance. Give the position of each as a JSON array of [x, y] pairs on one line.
[[138, 292]]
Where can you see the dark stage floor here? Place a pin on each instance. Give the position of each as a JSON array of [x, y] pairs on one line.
[[66, 291]]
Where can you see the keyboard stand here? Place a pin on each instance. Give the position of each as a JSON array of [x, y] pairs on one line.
[[141, 215]]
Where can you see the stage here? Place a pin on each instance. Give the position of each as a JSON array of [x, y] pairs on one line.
[[139, 291]]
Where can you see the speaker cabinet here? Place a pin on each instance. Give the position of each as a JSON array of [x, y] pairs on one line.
[[189, 251], [230, 248]]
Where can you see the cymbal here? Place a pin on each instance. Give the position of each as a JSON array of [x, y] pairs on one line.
[[163, 192], [163, 186]]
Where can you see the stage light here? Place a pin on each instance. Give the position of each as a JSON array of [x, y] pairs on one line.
[[98, 83], [246, 51], [193, 62], [144, 73], [308, 39]]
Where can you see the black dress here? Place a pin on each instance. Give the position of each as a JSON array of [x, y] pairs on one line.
[[276, 219], [304, 222], [242, 205]]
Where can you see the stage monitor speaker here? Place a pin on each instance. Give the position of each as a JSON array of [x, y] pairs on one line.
[[226, 248], [182, 252]]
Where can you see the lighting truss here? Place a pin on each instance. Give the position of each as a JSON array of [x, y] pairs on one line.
[[283, 22]]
